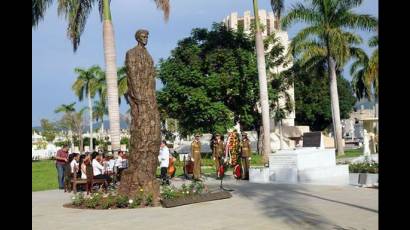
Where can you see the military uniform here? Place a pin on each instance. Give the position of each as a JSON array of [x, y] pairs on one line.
[[218, 152], [245, 155], [196, 155]]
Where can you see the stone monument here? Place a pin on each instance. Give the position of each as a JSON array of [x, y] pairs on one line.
[[145, 122], [366, 148]]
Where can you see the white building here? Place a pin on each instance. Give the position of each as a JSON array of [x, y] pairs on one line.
[[267, 20]]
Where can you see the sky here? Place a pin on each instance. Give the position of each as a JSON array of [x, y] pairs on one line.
[[53, 59]]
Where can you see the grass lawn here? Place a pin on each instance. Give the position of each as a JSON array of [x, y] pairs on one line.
[[44, 173], [352, 153]]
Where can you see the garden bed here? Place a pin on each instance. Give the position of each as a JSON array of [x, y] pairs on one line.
[[197, 198]]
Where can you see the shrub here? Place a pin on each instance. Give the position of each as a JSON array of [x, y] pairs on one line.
[[364, 167], [107, 202], [149, 200], [121, 201], [78, 199]]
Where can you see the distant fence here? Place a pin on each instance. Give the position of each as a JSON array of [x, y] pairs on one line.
[[42, 154]]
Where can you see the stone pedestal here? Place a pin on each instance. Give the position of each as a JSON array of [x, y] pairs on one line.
[[304, 165]]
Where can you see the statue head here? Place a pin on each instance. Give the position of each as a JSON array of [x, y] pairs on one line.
[[142, 37]]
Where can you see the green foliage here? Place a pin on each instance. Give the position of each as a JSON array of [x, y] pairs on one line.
[[149, 200], [49, 130], [171, 192], [312, 96], [364, 167], [107, 202], [93, 201], [125, 141], [211, 82], [121, 201], [78, 199]]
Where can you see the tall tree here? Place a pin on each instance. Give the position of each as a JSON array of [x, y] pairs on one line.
[[312, 96], [263, 86], [364, 73], [76, 13], [86, 85], [278, 6], [99, 111], [49, 130], [68, 110], [326, 35], [211, 82]]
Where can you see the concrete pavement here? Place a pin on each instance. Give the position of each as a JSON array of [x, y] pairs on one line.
[[252, 206]]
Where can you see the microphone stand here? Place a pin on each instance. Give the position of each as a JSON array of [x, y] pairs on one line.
[[222, 178]]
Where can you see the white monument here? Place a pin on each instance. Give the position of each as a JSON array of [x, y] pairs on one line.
[[366, 147], [310, 165]]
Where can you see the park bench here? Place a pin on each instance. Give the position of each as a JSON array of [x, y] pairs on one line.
[[89, 182]]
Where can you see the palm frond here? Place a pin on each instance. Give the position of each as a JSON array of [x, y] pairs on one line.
[[164, 6], [76, 12], [300, 13], [356, 21], [278, 7], [38, 9]]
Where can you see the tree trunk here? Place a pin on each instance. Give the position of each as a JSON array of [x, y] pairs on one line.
[[260, 140], [263, 88], [334, 97], [91, 121], [145, 125], [111, 74]]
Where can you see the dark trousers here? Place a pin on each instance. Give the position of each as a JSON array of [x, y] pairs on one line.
[[164, 177], [60, 175], [245, 168]]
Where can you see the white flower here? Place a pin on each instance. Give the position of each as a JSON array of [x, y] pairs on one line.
[[73, 198], [130, 201], [187, 192]]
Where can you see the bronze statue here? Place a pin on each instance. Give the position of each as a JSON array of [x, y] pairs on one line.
[[145, 122]]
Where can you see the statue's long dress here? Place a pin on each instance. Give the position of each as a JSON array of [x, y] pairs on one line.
[[145, 125]]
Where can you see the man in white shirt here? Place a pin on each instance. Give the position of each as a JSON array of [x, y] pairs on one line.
[[163, 159], [120, 164], [98, 169]]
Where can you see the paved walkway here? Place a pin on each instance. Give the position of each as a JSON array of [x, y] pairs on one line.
[[253, 206]]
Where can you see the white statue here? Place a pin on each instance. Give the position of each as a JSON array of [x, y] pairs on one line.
[[366, 149]]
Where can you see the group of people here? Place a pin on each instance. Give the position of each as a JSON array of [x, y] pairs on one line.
[[85, 166], [235, 152]]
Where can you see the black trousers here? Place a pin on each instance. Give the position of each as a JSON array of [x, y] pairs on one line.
[[164, 176]]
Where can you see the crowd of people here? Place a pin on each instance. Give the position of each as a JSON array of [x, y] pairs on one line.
[[83, 166], [104, 167]]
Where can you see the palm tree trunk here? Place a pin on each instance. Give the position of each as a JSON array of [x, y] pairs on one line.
[[263, 87], [334, 98], [91, 120], [111, 74]]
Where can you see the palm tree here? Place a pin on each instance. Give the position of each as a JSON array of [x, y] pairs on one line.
[[68, 110], [76, 13], [99, 111], [122, 83], [263, 86], [278, 7], [86, 84], [325, 36]]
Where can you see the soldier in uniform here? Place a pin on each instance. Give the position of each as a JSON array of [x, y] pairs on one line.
[[218, 151], [196, 157], [245, 156]]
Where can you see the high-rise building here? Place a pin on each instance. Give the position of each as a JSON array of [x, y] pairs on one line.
[[267, 20]]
